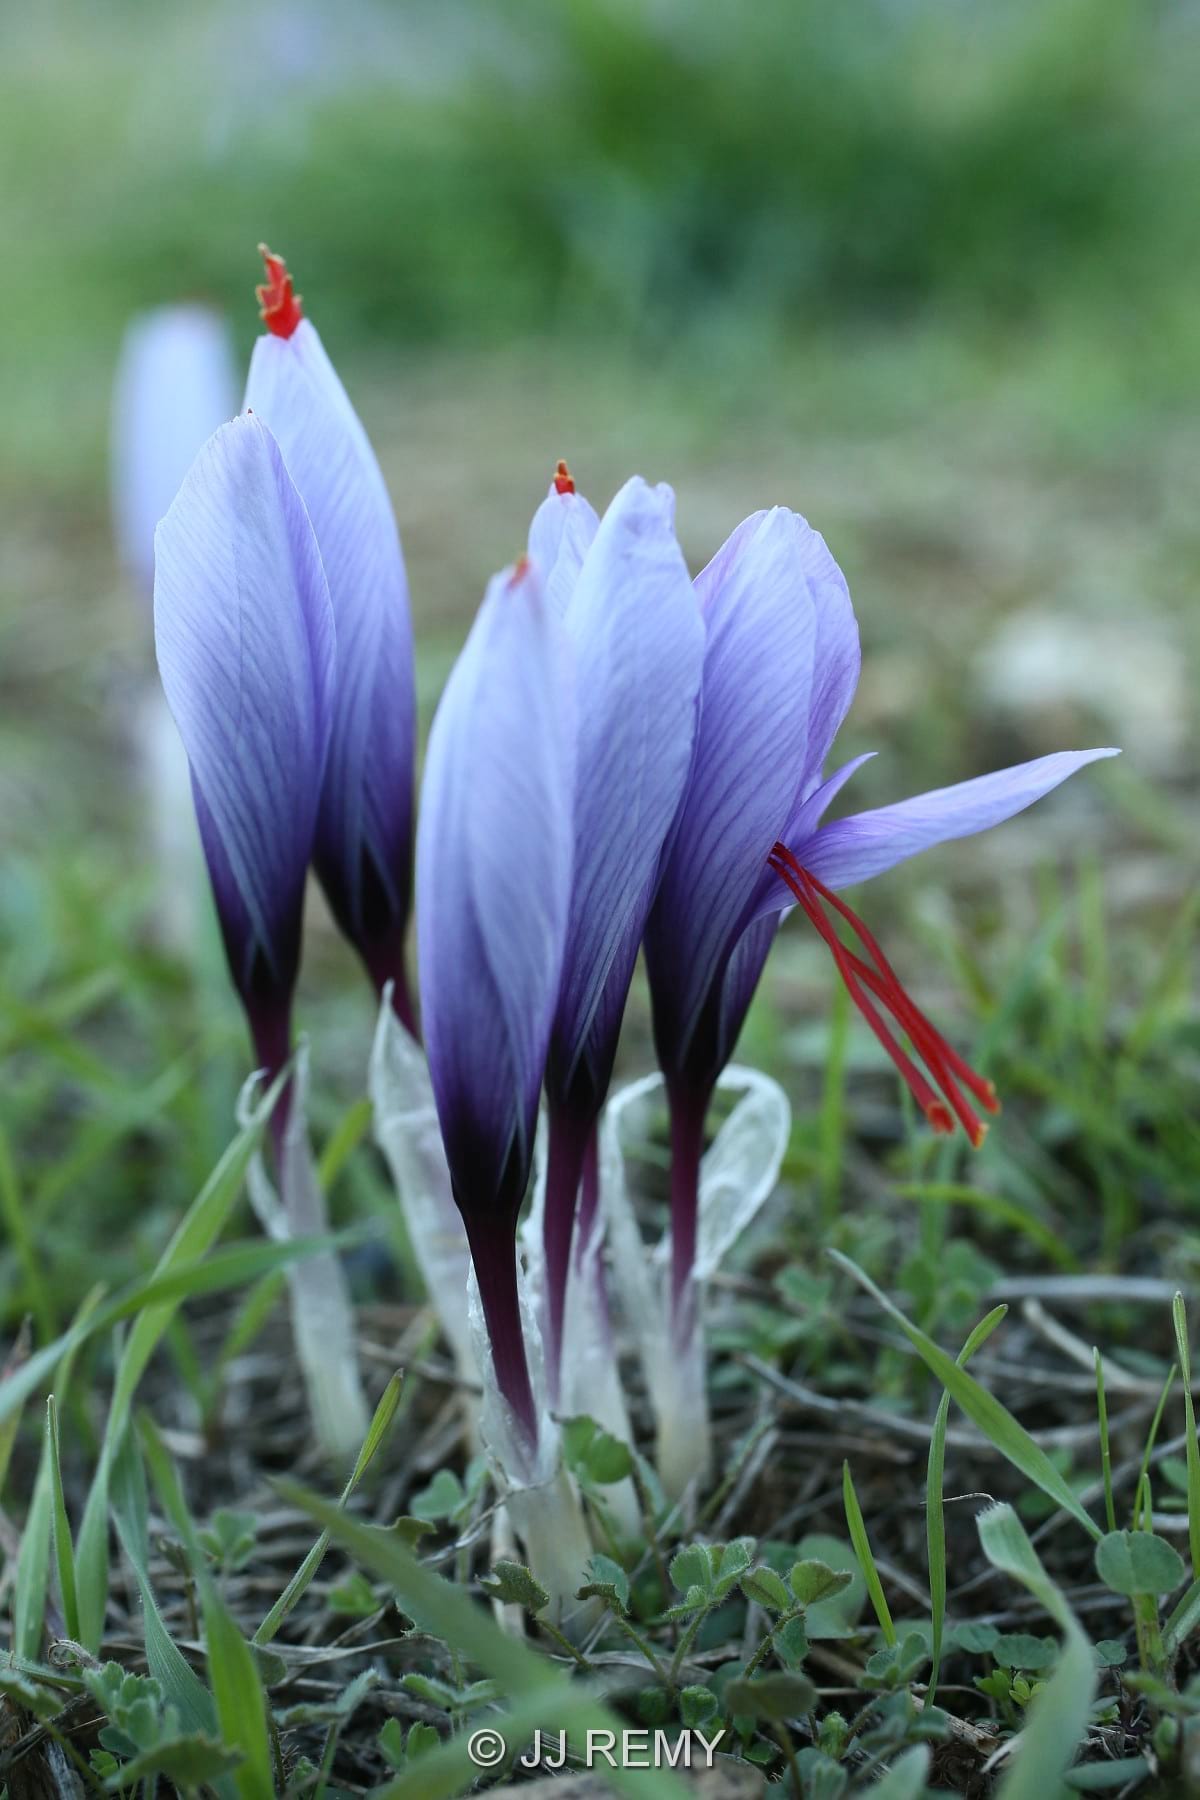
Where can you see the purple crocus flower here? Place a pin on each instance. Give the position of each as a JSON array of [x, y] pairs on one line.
[[363, 848], [780, 670], [494, 853], [638, 641], [245, 637]]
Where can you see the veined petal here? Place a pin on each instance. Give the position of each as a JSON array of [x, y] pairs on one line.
[[761, 633], [772, 894], [364, 827], [836, 658], [867, 843], [245, 639], [638, 640], [560, 537], [175, 384], [494, 853]]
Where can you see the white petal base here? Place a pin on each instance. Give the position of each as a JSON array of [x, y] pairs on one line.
[[322, 1316], [406, 1130], [738, 1172]]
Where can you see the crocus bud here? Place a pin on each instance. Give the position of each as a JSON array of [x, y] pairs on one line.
[[175, 384], [494, 853], [245, 638], [636, 631], [363, 846]]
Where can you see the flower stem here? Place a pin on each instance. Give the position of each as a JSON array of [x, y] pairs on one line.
[[570, 1136], [494, 1254]]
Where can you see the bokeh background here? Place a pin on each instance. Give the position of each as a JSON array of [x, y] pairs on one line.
[[926, 271]]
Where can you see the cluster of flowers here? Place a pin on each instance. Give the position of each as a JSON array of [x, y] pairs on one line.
[[623, 759]]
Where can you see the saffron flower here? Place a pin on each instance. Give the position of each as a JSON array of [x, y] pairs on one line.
[[781, 666], [245, 638], [495, 844], [635, 630], [364, 826], [246, 648]]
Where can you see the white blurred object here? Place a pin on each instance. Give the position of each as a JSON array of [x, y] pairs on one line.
[[739, 1170], [1126, 674], [175, 383]]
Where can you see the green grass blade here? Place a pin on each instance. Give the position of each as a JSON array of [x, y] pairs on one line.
[[164, 1659], [935, 1511], [1179, 1315], [866, 1560], [17, 1221], [194, 1236], [995, 1207], [546, 1693], [32, 1578], [343, 1140], [1058, 1716], [1184, 1620], [381, 1421], [1105, 1447], [983, 1409], [64, 1551], [1143, 1479]]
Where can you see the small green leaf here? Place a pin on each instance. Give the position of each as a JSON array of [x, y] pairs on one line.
[[777, 1696], [512, 1584], [441, 1499], [354, 1597], [1138, 1562], [230, 1538], [1020, 1650], [30, 1696], [593, 1454], [606, 1581], [691, 1571], [767, 1589], [696, 1706], [812, 1581]]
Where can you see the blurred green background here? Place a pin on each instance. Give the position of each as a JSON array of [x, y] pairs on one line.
[[924, 270]]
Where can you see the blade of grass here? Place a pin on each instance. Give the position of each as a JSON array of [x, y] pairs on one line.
[[1058, 1716], [164, 1659], [994, 1206], [384, 1413], [866, 1560], [1105, 1448], [1179, 1315], [1151, 1438], [64, 1551], [233, 1673], [935, 1511], [982, 1408], [345, 1138], [542, 1691], [17, 1221], [195, 1234], [32, 1577]]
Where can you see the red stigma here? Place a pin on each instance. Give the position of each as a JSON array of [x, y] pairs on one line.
[[877, 977], [564, 481], [279, 306]]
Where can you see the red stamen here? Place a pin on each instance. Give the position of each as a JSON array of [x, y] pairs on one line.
[[564, 482], [947, 1068], [279, 305]]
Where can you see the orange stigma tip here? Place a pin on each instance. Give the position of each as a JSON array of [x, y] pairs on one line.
[[940, 1118], [564, 482], [520, 570], [279, 304]]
